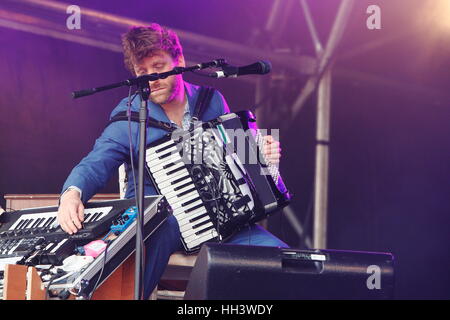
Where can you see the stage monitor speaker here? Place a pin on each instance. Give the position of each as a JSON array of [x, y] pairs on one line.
[[240, 272]]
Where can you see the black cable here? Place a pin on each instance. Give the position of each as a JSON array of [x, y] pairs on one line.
[[283, 231], [264, 99], [47, 295], [307, 218], [101, 272], [252, 188], [53, 278], [214, 197], [130, 142]]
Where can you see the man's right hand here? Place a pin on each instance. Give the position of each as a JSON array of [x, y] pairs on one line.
[[70, 212]]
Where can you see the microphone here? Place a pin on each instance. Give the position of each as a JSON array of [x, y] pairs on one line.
[[83, 93], [260, 67]]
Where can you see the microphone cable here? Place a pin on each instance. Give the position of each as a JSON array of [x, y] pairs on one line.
[[138, 221]]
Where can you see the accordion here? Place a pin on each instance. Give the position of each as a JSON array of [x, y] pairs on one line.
[[215, 178]]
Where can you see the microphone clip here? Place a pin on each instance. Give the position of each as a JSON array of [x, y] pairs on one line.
[[227, 71]]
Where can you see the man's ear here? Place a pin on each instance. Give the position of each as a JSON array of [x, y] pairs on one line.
[[181, 62]]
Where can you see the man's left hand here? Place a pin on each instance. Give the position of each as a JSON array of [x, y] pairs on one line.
[[272, 150]]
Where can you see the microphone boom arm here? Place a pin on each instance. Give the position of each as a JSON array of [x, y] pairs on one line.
[[148, 77]]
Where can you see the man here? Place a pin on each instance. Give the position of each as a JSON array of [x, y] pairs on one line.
[[148, 50]]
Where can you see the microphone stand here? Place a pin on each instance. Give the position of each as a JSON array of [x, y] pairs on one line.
[[144, 92], [142, 82]]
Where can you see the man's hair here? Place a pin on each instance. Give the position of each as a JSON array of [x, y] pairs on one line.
[[140, 42]]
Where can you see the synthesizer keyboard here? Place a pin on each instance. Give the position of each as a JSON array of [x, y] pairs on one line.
[[156, 212], [41, 222], [28, 231]]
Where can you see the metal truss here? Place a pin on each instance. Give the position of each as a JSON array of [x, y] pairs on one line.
[[318, 82], [103, 30]]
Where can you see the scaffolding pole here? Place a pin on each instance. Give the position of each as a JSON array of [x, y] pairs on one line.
[[321, 81], [322, 157], [323, 126]]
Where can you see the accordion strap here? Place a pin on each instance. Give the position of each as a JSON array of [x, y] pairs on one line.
[[202, 103], [204, 98], [151, 122]]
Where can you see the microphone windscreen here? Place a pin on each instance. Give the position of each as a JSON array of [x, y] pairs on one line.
[[260, 67], [266, 66]]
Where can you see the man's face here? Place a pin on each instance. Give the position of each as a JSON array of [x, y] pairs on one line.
[[163, 90]]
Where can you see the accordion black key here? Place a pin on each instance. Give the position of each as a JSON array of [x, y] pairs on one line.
[[216, 178]]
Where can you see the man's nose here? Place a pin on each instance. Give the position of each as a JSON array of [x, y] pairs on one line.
[[155, 84]]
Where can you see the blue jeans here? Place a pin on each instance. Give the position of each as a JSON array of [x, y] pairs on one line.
[[166, 240]]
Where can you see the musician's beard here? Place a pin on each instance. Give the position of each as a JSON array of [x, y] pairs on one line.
[[168, 92]]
